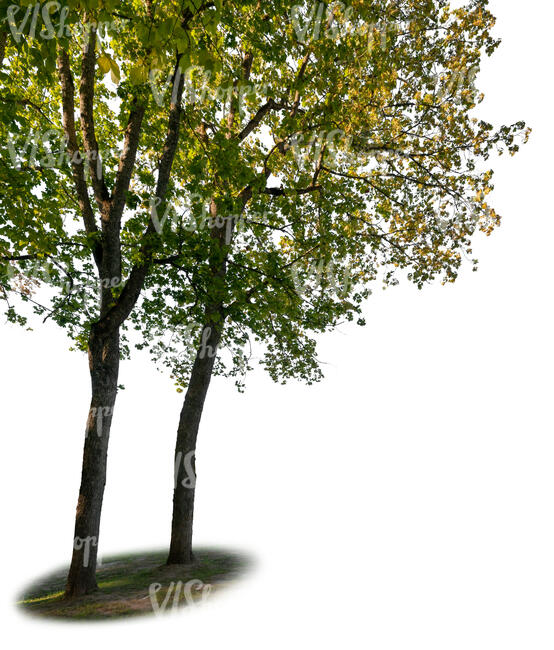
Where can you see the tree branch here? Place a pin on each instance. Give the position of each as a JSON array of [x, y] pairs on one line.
[[118, 313], [27, 102], [18, 258], [247, 61], [127, 160], [270, 105], [3, 43], [279, 191], [77, 166], [86, 94], [299, 77]]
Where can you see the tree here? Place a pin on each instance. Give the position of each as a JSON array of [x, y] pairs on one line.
[[332, 146], [76, 218], [242, 177]]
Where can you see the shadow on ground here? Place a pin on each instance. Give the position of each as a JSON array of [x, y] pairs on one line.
[[137, 584]]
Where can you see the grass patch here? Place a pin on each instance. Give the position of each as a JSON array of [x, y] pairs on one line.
[[134, 585]]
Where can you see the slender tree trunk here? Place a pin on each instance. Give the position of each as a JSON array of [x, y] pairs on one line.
[[104, 369], [180, 550]]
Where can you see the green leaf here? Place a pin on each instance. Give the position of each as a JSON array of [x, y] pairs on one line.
[[138, 74], [115, 72], [104, 63]]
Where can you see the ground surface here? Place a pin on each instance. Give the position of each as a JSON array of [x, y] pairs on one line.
[[136, 584]]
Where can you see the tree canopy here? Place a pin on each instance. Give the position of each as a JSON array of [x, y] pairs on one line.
[[327, 147], [324, 136]]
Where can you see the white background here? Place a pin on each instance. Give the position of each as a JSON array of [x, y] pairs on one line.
[[404, 503]]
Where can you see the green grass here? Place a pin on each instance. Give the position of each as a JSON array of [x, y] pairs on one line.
[[124, 586]]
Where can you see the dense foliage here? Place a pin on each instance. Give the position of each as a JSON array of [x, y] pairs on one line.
[[322, 146]]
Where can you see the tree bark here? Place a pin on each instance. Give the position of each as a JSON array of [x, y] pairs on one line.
[[104, 369], [3, 43], [104, 343], [180, 550]]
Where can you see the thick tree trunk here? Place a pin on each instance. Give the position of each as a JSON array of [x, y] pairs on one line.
[[104, 344], [104, 369], [180, 550]]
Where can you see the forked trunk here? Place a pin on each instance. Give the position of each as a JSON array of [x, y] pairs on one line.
[[104, 345], [104, 369], [180, 551]]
